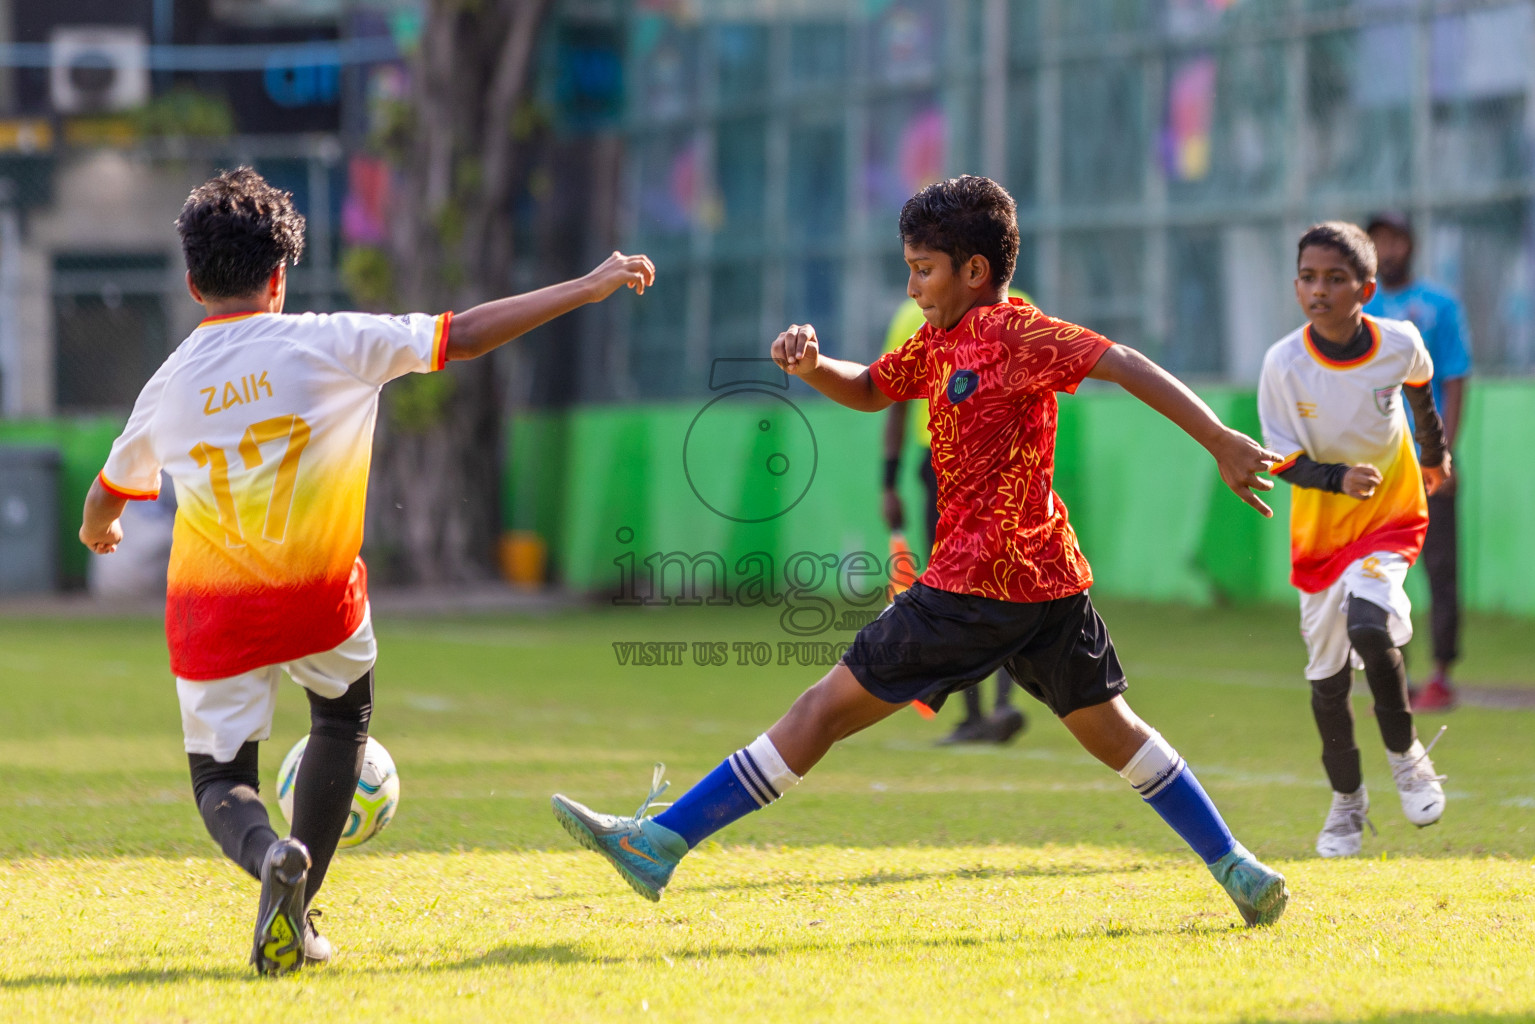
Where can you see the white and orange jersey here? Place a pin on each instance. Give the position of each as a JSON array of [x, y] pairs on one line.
[[264, 422], [1348, 412]]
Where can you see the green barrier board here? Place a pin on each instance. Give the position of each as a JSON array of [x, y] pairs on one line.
[[604, 485], [82, 445]]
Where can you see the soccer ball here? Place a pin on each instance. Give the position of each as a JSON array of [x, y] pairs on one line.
[[374, 803]]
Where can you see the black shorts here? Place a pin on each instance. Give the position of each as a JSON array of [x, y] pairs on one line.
[[930, 643]]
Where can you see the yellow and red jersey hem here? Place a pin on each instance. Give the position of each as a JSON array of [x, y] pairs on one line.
[[1314, 575], [216, 635], [126, 493], [440, 342]]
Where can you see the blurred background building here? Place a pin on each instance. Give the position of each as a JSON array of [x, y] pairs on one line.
[[109, 113], [1165, 154]]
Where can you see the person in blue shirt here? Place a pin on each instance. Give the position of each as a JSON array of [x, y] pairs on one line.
[[1439, 318]]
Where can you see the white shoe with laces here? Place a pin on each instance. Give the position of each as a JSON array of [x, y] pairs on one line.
[[1343, 832], [1417, 783]]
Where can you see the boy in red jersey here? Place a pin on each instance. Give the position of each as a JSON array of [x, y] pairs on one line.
[[265, 423], [1006, 585]]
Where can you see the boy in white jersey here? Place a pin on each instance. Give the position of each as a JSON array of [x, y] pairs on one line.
[[265, 423], [1331, 400]]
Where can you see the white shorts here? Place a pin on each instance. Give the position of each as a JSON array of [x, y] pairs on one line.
[[1376, 578], [219, 715]]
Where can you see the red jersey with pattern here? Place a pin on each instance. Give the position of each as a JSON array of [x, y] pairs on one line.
[[990, 382]]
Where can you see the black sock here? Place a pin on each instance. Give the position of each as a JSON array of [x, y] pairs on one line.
[[226, 794], [1384, 670], [973, 712], [1335, 722], [327, 778], [1004, 689]]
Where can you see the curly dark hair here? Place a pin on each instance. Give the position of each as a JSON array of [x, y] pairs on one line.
[[235, 230], [963, 217], [1348, 239]]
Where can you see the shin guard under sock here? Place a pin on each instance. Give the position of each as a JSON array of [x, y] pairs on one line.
[[227, 798], [1166, 782], [1370, 633], [747, 780], [1335, 724], [327, 777]]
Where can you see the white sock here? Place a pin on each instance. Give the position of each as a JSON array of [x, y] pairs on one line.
[[759, 767], [1153, 767]]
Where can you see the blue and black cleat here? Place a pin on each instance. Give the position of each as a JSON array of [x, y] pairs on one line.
[[644, 852]]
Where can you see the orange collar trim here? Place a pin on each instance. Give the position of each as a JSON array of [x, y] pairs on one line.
[[1348, 364], [227, 318]]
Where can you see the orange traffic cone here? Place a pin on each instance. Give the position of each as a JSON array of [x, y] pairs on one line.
[[903, 565]]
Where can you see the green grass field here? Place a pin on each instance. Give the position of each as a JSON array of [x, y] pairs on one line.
[[899, 882]]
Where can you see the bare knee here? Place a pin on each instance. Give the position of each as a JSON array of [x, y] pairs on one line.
[[1111, 731], [832, 709]]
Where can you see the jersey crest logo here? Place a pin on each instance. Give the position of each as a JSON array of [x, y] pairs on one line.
[[1306, 410], [1385, 399], [962, 385]]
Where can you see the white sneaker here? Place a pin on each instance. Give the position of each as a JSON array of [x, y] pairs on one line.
[[1418, 785], [1343, 832]]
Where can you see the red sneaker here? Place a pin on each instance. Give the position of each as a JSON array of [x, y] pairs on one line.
[[1437, 696]]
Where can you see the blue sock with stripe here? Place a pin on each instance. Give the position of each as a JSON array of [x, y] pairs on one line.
[[747, 780], [1166, 782]]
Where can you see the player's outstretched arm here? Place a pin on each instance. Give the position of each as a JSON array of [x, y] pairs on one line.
[[101, 529], [490, 325], [1239, 457], [798, 351]]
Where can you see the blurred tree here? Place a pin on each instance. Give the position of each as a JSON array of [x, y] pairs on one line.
[[458, 145], [185, 112]]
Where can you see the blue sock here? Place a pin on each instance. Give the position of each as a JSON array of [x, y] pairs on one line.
[[1166, 782], [1185, 806], [709, 806], [747, 780]]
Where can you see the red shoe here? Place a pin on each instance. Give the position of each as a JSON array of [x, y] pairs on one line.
[[1437, 696]]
